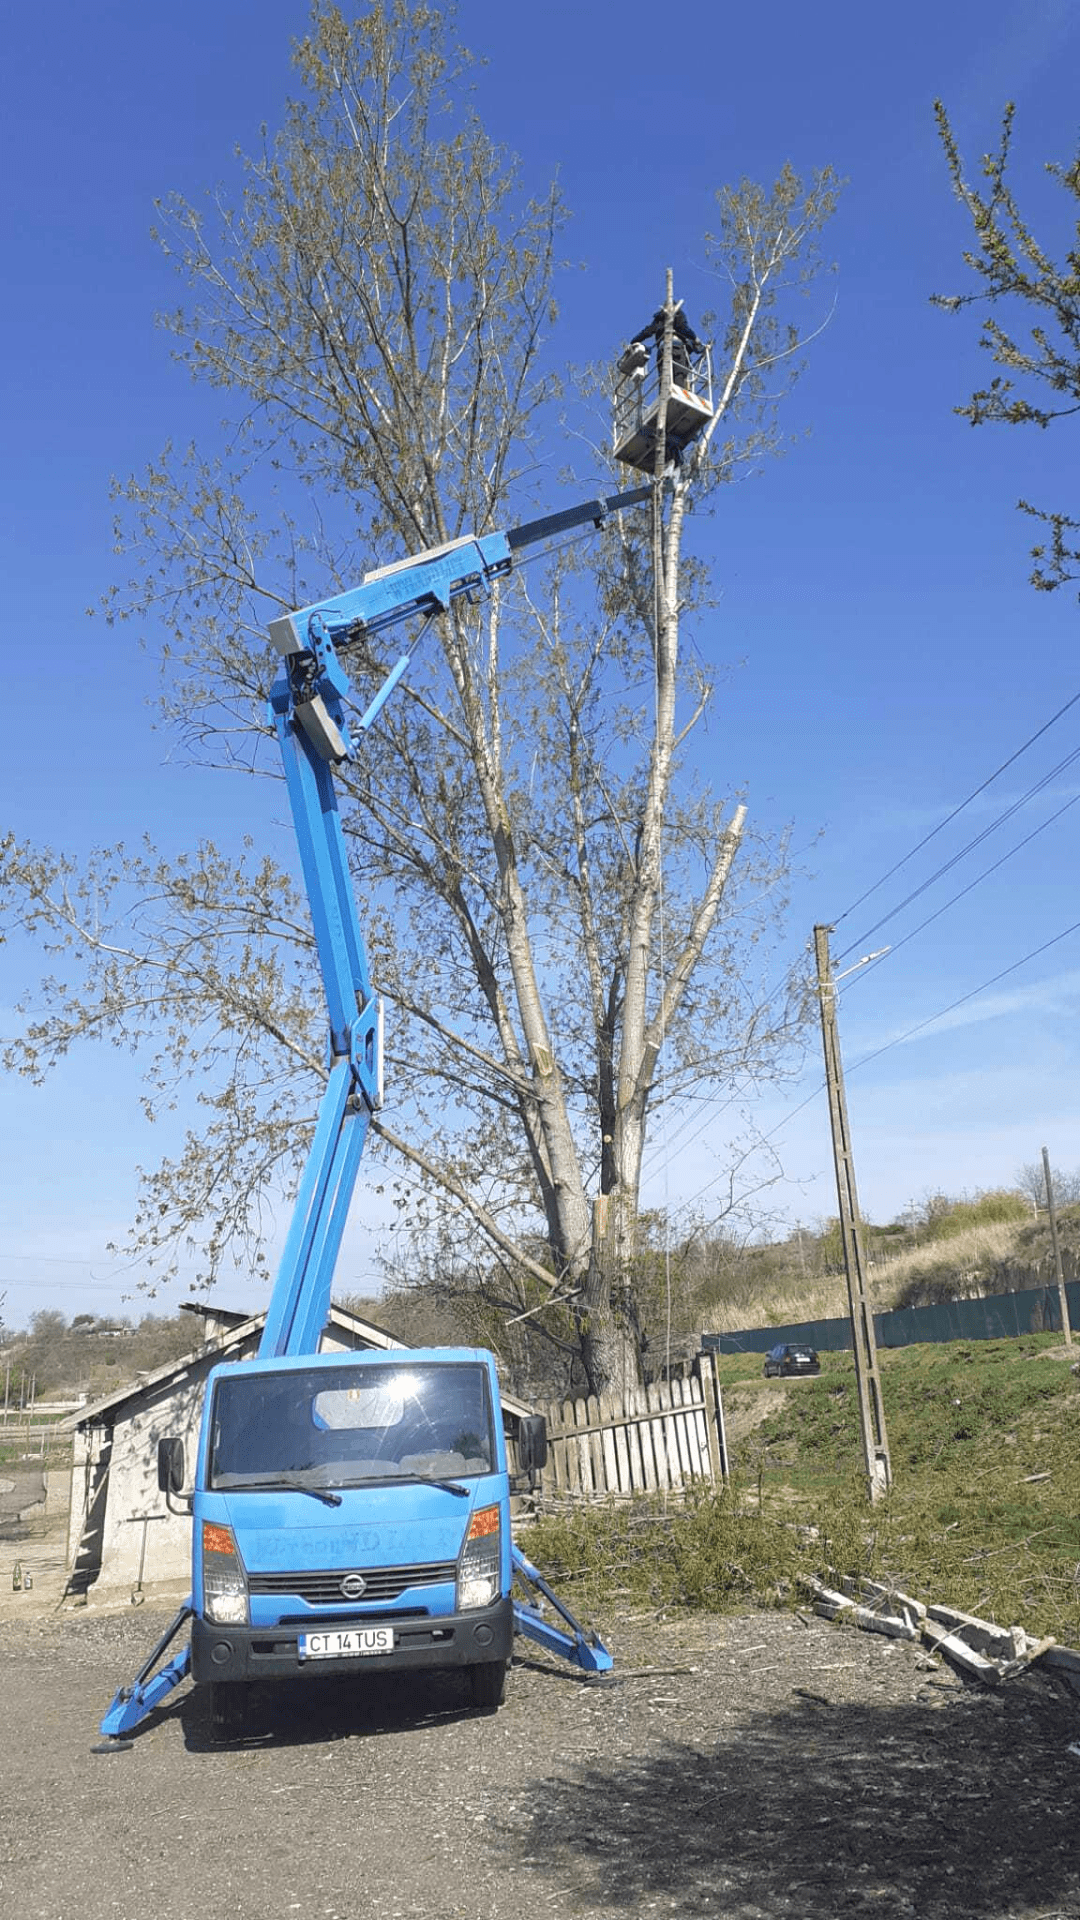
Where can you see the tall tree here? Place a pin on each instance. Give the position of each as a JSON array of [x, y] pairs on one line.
[[1031, 1181], [1038, 343], [554, 906]]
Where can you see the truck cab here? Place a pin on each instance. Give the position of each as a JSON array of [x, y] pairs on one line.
[[350, 1511]]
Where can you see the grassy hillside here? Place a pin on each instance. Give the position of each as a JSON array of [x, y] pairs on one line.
[[55, 1359], [984, 1513], [969, 1251]]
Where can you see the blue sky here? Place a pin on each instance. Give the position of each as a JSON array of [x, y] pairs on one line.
[[872, 584]]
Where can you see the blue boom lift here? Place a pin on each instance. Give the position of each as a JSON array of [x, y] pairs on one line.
[[352, 1507]]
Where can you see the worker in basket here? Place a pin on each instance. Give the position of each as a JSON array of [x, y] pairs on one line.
[[684, 344]]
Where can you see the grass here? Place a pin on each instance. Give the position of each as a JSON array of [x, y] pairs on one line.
[[975, 1247], [780, 1306], [40, 1446], [973, 1252], [966, 1523]]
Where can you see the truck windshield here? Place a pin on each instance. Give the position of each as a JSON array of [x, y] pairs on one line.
[[344, 1426]]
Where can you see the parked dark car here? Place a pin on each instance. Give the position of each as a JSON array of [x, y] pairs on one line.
[[791, 1359]]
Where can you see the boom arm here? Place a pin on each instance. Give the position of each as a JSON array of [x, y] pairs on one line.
[[307, 706]]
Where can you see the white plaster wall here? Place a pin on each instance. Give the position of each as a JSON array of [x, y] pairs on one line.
[[136, 1510], [84, 1446]]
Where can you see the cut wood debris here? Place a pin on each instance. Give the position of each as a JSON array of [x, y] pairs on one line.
[[982, 1650]]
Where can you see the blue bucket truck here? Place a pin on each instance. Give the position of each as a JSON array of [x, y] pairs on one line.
[[352, 1511]]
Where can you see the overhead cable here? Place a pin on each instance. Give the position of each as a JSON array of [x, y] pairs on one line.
[[942, 824], [964, 997], [909, 1033], [969, 847], [984, 875]]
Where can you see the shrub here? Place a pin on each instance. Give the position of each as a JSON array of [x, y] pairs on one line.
[[998, 1207]]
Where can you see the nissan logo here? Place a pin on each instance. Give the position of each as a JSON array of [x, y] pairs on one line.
[[353, 1586]]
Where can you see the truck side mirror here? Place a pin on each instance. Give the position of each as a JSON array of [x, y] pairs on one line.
[[170, 1466], [532, 1443]]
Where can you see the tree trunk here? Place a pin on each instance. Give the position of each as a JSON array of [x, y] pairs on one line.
[[609, 1330]]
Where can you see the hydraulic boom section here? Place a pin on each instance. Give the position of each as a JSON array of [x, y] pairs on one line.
[[427, 584], [307, 707]]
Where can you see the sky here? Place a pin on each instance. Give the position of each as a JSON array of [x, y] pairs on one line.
[[888, 652]]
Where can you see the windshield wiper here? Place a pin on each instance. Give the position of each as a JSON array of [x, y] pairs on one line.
[[422, 1480], [290, 1480]]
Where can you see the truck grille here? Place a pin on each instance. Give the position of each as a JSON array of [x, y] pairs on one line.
[[325, 1589]]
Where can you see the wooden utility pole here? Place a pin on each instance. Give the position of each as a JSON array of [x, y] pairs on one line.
[[863, 1341], [1066, 1323]]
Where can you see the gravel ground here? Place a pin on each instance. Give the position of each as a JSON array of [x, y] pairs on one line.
[[762, 1767]]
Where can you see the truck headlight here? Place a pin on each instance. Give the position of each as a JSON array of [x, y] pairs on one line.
[[225, 1592], [479, 1570]]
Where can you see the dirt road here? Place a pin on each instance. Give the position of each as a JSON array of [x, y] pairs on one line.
[[766, 1768]]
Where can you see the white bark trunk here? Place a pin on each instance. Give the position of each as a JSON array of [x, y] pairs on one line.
[[556, 1151], [609, 1295]]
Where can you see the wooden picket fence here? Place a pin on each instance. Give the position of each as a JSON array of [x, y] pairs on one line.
[[645, 1440]]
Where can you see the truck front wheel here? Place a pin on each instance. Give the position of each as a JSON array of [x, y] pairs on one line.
[[487, 1684], [228, 1711]]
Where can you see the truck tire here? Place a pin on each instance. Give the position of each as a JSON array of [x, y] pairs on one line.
[[228, 1711], [487, 1684]]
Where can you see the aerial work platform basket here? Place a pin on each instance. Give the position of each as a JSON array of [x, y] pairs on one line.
[[637, 403]]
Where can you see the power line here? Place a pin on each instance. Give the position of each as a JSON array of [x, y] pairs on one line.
[[713, 1112], [725, 1171], [984, 875], [920, 1027], [946, 866], [955, 859], [1007, 814], [964, 997], [942, 824], [78, 1286], [57, 1260]]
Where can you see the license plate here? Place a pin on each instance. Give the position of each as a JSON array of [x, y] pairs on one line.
[[346, 1644]]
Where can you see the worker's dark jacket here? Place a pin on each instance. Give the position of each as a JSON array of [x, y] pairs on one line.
[[684, 342]]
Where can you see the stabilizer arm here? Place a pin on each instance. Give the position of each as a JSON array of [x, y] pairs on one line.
[[131, 1705], [582, 1649]]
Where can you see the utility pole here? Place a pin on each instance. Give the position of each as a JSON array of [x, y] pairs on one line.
[[1066, 1324], [863, 1341]]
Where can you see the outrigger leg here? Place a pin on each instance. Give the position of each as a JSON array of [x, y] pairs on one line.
[[582, 1649], [132, 1704]]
